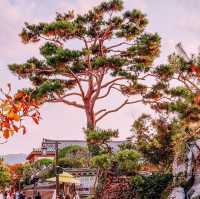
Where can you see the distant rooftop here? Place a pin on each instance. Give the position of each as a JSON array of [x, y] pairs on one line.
[[83, 143]]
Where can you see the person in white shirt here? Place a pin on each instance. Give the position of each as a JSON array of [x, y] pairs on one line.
[[54, 195], [17, 195], [8, 195], [1, 195]]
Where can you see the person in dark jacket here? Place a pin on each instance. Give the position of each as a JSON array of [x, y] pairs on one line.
[[38, 196], [22, 195]]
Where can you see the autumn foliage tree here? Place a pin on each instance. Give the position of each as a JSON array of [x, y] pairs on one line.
[[16, 173], [114, 54], [13, 110]]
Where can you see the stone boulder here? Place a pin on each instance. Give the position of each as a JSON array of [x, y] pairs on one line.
[[187, 174]]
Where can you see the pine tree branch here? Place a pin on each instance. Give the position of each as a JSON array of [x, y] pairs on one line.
[[186, 85], [126, 102], [100, 111], [52, 40], [70, 103], [98, 90], [118, 51], [147, 75], [120, 44], [110, 82], [90, 78], [78, 82], [72, 94], [109, 90], [194, 85], [74, 103], [45, 70]]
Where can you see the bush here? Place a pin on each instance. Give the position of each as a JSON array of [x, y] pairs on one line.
[[72, 150], [102, 161], [43, 162], [127, 161], [70, 163], [151, 187]]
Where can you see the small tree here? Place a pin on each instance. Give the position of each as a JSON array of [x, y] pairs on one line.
[[5, 176], [175, 97], [98, 140], [154, 140], [74, 156], [115, 54], [16, 172], [179, 93]]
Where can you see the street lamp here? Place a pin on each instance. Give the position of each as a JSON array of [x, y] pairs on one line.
[[44, 150]]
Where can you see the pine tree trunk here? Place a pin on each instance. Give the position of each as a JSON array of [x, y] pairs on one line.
[[91, 122]]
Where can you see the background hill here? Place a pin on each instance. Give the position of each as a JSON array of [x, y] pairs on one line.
[[14, 158]]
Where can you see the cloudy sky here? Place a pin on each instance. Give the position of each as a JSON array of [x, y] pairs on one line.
[[174, 20]]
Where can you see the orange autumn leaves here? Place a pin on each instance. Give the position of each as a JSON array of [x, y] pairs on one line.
[[196, 70], [13, 110]]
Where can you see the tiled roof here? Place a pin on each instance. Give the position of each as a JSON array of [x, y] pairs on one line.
[[83, 143]]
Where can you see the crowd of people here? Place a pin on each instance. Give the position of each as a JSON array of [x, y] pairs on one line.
[[37, 195], [17, 195]]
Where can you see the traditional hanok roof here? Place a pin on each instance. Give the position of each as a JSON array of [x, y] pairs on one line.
[[83, 143], [38, 152]]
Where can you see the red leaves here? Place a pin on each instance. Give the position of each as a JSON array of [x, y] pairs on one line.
[[36, 117], [16, 172], [5, 124], [13, 110], [196, 70], [6, 134], [23, 129], [20, 95], [197, 99], [15, 128]]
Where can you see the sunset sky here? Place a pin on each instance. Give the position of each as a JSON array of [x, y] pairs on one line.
[[174, 20]]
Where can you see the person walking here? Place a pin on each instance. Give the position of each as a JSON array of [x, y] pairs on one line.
[[8, 196], [17, 195], [1, 195], [21, 195]]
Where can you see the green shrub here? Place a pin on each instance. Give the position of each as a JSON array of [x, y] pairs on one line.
[[72, 150], [43, 162], [70, 163], [151, 187]]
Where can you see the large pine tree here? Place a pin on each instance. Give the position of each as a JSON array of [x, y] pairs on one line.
[[115, 53]]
